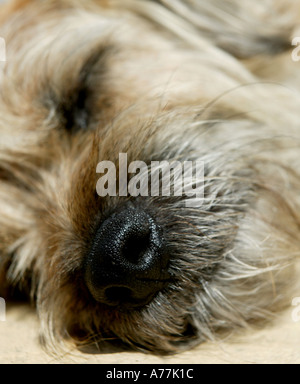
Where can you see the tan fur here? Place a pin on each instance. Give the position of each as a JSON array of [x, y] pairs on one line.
[[167, 80]]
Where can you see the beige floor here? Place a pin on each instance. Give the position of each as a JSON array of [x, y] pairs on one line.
[[277, 344]]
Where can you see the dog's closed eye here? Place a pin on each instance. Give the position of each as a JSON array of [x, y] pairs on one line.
[[73, 101], [74, 110]]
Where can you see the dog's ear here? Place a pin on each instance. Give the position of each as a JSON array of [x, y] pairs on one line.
[[243, 28]]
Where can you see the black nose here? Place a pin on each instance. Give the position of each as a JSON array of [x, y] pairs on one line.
[[127, 264]]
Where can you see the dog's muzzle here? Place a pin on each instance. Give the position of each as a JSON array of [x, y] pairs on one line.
[[127, 264]]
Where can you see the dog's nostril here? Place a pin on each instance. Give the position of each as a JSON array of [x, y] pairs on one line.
[[136, 247], [127, 263], [118, 294]]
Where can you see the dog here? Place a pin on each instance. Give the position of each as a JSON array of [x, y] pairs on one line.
[[175, 81]]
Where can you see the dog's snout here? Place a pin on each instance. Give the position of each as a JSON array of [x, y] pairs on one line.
[[127, 264]]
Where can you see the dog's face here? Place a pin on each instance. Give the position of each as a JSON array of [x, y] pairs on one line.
[[85, 83]]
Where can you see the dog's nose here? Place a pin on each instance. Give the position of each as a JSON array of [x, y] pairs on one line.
[[127, 264]]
